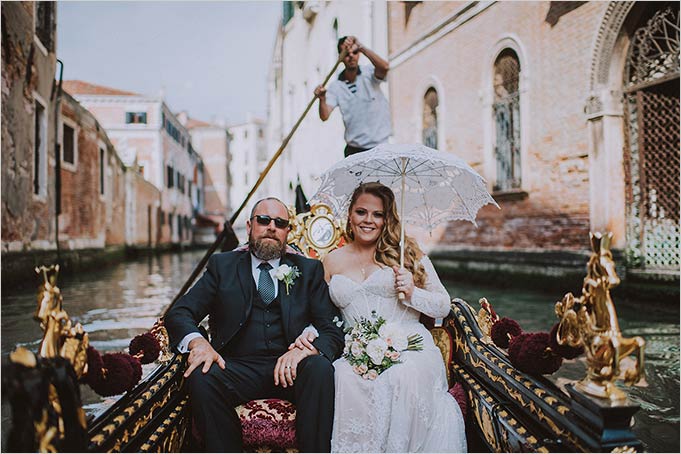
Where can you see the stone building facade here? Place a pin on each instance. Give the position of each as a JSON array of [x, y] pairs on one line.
[[212, 142], [28, 126], [249, 157], [541, 99], [149, 135], [67, 196], [93, 182], [303, 54]]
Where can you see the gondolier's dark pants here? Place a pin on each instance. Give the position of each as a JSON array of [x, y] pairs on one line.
[[215, 395], [350, 150]]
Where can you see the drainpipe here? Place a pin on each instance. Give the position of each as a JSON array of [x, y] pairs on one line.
[[57, 152]]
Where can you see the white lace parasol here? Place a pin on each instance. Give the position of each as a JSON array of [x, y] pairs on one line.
[[438, 186]]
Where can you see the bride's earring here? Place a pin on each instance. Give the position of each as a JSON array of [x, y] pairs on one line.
[[348, 231]]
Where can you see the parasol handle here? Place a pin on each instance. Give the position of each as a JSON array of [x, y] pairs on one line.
[[401, 295]]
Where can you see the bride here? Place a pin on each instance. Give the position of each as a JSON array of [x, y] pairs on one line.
[[407, 407]]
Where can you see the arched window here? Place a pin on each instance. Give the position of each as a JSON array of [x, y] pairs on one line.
[[430, 103], [506, 110]]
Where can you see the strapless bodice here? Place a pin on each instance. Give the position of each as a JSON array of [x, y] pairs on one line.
[[376, 293]]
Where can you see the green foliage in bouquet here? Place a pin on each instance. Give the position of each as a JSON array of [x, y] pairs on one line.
[[374, 345]]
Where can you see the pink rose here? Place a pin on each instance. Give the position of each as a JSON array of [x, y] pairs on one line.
[[393, 355], [370, 375], [363, 368]]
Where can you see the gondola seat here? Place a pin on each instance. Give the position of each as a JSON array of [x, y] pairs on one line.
[[268, 425]]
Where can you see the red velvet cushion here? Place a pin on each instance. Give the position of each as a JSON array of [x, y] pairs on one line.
[[461, 398], [268, 424]]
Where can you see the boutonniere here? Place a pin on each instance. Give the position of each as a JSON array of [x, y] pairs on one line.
[[288, 274]]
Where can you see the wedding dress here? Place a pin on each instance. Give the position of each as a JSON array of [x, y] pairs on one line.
[[406, 408]]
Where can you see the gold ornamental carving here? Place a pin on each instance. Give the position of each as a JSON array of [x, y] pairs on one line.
[[443, 342], [61, 338], [590, 320], [486, 318], [317, 232]]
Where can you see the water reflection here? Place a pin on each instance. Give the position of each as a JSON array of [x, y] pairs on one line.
[[113, 304], [117, 303]]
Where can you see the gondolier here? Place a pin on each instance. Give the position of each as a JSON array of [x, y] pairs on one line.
[[357, 92]]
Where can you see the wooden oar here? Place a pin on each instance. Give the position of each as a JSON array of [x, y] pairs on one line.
[[228, 225]]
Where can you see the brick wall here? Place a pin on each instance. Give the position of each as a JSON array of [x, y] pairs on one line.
[[147, 200], [555, 64], [27, 74], [115, 199], [89, 218]]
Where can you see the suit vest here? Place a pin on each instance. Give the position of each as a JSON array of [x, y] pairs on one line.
[[263, 332]]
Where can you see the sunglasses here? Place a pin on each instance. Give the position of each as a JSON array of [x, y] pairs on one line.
[[263, 219]]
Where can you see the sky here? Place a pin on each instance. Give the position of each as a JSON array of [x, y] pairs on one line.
[[208, 58]]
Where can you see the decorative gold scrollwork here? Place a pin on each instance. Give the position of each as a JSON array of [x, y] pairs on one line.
[[591, 321], [317, 232], [161, 334], [486, 318], [60, 337]]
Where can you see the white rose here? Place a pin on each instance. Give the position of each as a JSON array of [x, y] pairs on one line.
[[394, 336], [363, 368], [376, 349], [400, 342], [356, 349], [281, 272]]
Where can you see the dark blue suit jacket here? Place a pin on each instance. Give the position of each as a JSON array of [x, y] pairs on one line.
[[225, 292]]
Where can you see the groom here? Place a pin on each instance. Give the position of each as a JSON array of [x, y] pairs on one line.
[[253, 318]]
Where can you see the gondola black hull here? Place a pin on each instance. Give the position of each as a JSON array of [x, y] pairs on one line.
[[508, 410]]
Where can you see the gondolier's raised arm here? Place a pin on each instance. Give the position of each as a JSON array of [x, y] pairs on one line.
[[357, 92]]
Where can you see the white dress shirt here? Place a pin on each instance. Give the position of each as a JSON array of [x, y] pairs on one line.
[[183, 346]]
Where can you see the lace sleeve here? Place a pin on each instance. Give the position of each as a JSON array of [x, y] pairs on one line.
[[432, 300]]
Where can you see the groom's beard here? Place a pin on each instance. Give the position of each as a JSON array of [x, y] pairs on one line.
[[266, 250]]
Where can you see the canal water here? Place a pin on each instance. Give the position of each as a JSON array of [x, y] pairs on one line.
[[117, 303]]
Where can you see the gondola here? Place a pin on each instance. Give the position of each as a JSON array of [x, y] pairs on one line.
[[506, 409]]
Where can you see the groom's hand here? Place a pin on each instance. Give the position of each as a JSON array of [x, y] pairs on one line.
[[287, 365], [201, 352]]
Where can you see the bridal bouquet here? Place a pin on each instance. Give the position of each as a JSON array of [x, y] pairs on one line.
[[373, 345]]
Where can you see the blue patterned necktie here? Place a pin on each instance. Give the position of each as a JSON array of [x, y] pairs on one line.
[[265, 283]]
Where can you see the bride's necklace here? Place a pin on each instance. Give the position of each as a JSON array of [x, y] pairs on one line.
[[363, 268]]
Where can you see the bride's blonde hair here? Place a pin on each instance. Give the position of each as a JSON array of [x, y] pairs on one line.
[[388, 243]]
